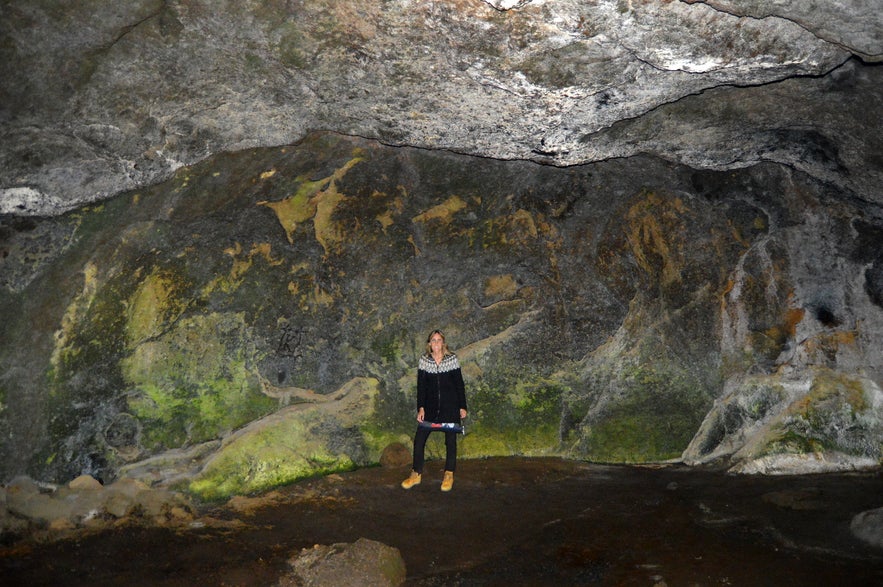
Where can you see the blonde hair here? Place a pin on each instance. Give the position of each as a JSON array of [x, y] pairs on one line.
[[445, 350]]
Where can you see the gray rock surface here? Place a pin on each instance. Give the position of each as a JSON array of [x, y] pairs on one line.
[[106, 97], [868, 526], [853, 24]]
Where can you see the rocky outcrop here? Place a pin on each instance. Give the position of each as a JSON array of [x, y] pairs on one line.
[[32, 509], [812, 421], [295, 442], [317, 435]]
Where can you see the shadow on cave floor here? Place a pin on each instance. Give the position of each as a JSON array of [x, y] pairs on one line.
[[508, 521]]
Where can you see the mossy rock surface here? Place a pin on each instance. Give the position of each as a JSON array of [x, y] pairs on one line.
[[298, 441]]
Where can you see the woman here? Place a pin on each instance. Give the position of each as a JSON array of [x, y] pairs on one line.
[[441, 398]]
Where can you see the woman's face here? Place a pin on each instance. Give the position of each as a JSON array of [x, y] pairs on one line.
[[436, 342]]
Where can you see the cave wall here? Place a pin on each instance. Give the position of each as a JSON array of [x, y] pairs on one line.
[[258, 318], [650, 229]]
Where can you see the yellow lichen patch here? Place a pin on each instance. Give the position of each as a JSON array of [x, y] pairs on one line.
[[522, 226], [303, 266], [793, 317], [413, 244], [296, 208], [518, 228], [322, 297], [264, 250], [828, 384], [268, 174], [234, 251], [327, 232], [443, 212], [152, 307], [386, 218], [241, 265], [655, 229], [500, 287], [304, 203], [75, 310], [828, 344]]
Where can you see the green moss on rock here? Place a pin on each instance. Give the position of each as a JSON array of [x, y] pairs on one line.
[[153, 306], [194, 383], [294, 443], [653, 417], [279, 453], [485, 441], [514, 410]]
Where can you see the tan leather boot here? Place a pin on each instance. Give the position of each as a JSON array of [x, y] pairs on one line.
[[448, 481], [411, 481]]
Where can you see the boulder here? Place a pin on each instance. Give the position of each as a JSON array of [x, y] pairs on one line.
[[84, 506], [395, 455], [119, 505], [121, 496], [364, 563], [85, 482], [41, 508], [162, 506], [868, 526], [19, 491], [128, 487]]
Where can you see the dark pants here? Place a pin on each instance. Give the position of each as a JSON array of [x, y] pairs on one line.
[[420, 438]]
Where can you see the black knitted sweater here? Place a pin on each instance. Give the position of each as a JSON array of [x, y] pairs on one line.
[[440, 389]]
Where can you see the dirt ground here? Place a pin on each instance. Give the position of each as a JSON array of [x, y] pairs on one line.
[[508, 521]]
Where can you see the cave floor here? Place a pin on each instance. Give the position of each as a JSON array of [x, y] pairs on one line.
[[508, 521]]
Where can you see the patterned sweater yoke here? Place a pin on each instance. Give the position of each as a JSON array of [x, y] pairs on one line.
[[449, 363]]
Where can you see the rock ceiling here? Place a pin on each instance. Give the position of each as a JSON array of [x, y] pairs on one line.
[[100, 97]]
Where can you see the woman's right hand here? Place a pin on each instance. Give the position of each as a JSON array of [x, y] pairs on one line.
[[420, 415]]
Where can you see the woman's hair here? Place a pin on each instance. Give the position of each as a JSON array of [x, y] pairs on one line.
[[445, 350]]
